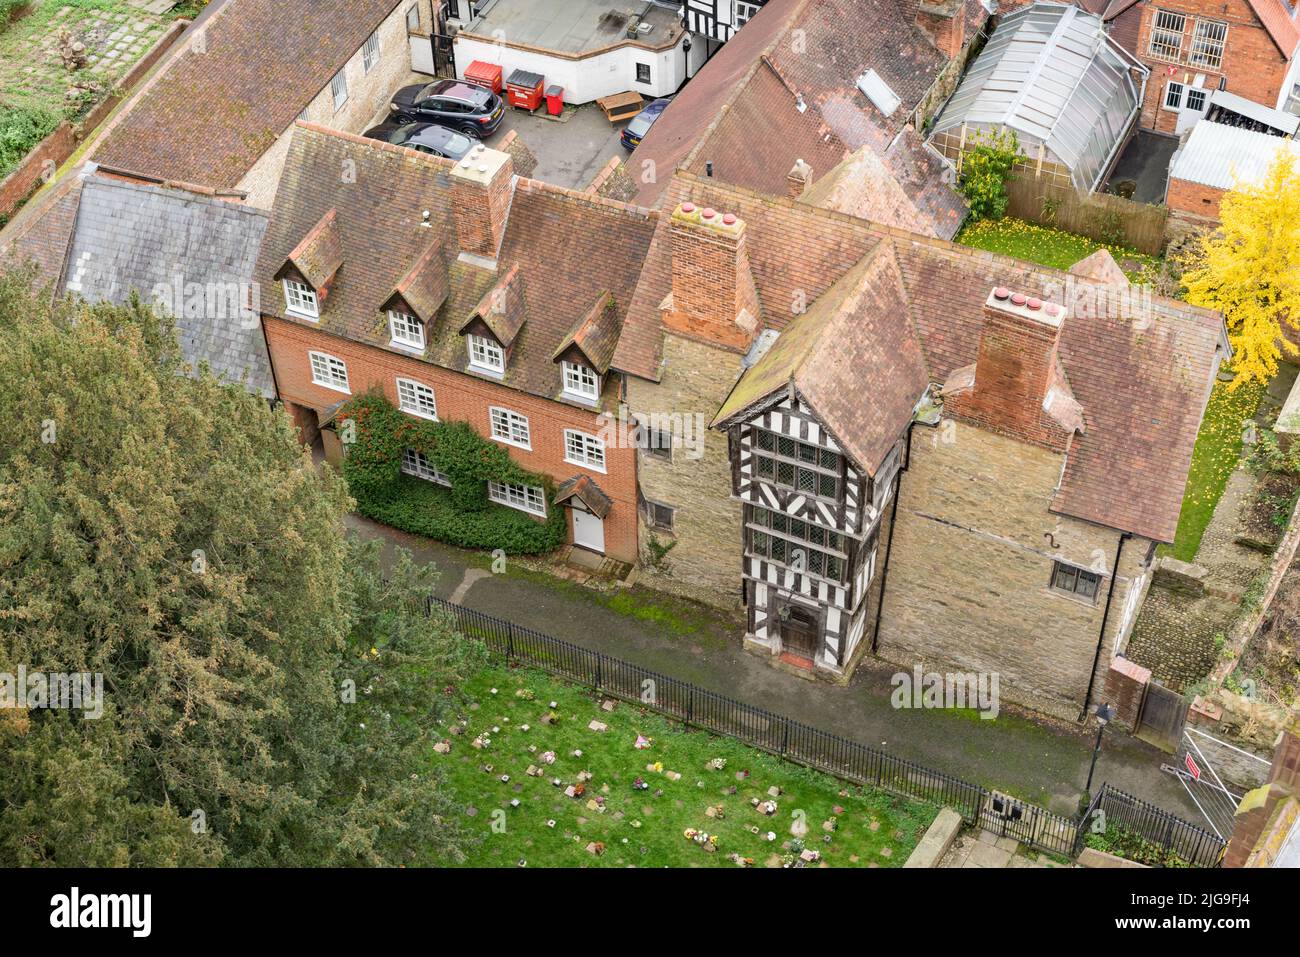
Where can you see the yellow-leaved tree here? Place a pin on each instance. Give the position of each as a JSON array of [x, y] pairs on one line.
[[1250, 269]]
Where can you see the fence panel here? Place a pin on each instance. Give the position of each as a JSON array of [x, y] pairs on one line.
[[849, 760], [1100, 216], [1195, 845]]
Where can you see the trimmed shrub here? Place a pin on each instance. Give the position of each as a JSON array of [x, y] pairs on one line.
[[375, 435]]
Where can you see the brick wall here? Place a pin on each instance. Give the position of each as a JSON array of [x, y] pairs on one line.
[[705, 561], [712, 284], [1194, 199], [368, 96], [463, 397], [1252, 63], [969, 575]]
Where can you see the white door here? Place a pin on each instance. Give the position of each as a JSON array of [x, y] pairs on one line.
[[588, 530]]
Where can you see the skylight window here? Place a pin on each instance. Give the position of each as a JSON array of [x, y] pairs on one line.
[[878, 92]]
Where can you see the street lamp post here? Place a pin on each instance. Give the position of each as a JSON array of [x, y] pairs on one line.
[[1104, 714]]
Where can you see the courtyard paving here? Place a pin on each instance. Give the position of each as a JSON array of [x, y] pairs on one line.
[[1040, 762]]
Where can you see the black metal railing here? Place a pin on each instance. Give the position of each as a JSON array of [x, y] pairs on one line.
[[1197, 846], [1030, 825]]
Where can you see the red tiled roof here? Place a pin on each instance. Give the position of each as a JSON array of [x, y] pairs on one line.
[[567, 249], [41, 232], [1279, 23], [210, 115], [1142, 381], [747, 122]]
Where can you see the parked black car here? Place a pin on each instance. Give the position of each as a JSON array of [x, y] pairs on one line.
[[640, 124], [425, 137], [462, 106]]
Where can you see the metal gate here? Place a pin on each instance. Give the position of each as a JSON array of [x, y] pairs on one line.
[[1216, 801], [432, 54], [1164, 712], [1029, 824]]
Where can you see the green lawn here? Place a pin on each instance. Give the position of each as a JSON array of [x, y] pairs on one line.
[[1218, 448], [37, 91], [1045, 245], [846, 825]]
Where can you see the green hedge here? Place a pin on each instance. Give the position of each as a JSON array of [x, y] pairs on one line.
[[21, 128], [375, 433]]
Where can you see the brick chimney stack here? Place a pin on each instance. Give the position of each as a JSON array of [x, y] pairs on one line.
[[481, 188], [713, 290], [797, 179], [944, 21], [1016, 385]]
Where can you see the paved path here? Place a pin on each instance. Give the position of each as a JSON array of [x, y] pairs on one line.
[[1044, 764]]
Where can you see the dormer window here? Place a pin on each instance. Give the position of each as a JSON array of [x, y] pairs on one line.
[[406, 330], [486, 355], [300, 299], [581, 381]]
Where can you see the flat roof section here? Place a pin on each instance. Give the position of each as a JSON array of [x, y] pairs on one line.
[[573, 26]]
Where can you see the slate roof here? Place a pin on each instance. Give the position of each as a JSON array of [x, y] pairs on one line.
[[1142, 378], [209, 116], [103, 238], [562, 250], [741, 112]]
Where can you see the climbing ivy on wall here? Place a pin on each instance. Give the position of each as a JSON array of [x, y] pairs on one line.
[[376, 433]]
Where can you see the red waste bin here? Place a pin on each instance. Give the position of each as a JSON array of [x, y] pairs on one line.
[[485, 74], [555, 100], [525, 90]]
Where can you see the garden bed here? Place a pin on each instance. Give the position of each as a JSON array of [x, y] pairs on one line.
[[636, 806], [1124, 843], [39, 91]]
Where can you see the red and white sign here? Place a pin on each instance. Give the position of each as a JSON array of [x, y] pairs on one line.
[[1192, 767]]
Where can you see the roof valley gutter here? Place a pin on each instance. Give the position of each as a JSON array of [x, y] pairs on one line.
[[1105, 617], [889, 542]]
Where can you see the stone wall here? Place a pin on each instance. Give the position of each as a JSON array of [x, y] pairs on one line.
[[705, 561], [969, 576], [367, 95]]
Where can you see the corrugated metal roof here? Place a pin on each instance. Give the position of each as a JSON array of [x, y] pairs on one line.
[[1221, 156], [1051, 73]]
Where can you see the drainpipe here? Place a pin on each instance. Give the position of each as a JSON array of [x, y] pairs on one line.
[[1105, 615], [889, 542]]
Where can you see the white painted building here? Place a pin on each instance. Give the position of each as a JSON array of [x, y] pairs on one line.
[[592, 48]]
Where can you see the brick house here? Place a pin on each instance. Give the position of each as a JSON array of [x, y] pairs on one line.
[[1194, 47], [1215, 158], [973, 476], [220, 112], [463, 292]]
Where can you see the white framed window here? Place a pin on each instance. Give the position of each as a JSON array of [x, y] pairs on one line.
[[1174, 96], [1292, 104], [745, 12], [339, 88], [581, 381], [1208, 38], [329, 371], [510, 427], [413, 18], [417, 463], [1167, 35], [300, 299], [370, 51], [583, 449], [485, 353], [405, 329], [526, 498], [416, 398]]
